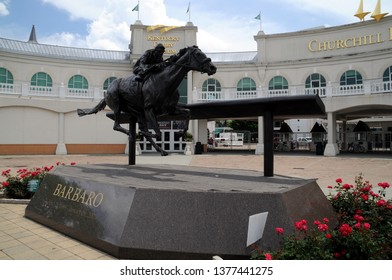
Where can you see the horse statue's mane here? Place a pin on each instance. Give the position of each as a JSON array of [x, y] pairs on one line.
[[154, 97]]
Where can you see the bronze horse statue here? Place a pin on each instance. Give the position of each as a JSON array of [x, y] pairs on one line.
[[156, 96]]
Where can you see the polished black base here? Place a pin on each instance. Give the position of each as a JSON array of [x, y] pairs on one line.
[[172, 212]]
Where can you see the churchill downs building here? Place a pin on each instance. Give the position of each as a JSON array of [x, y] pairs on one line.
[[348, 66]]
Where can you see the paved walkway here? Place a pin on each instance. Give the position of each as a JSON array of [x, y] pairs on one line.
[[23, 239]]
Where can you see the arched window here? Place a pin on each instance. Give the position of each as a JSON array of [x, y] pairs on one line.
[[387, 79], [6, 81], [77, 86], [211, 89], [41, 84], [6, 76], [351, 83], [246, 88], [278, 82], [108, 82], [351, 77], [78, 82], [41, 79], [278, 85], [315, 84]]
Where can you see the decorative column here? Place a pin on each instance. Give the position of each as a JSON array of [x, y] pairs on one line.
[[61, 149], [260, 142], [331, 148]]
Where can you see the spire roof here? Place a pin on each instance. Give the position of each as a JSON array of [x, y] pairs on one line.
[[33, 36]]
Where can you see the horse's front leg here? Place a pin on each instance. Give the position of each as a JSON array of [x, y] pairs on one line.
[[185, 114], [150, 116], [156, 146]]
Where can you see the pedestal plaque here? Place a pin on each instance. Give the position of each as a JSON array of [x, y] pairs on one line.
[[172, 212]]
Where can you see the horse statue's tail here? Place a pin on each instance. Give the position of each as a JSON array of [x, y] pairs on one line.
[[100, 106]]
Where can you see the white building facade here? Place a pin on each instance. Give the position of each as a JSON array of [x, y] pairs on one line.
[[42, 86]]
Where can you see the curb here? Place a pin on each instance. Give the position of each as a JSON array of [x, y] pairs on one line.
[[14, 201]]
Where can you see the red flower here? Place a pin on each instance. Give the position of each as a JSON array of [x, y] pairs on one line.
[[322, 227], [383, 185], [365, 197], [374, 194], [5, 184], [279, 230], [366, 226], [358, 218], [346, 186], [328, 236], [301, 225], [268, 256], [73, 163], [330, 187], [357, 225], [48, 168], [381, 202], [339, 180], [326, 220], [6, 172], [345, 229]]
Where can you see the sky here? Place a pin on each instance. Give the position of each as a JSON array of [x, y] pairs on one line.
[[223, 25]]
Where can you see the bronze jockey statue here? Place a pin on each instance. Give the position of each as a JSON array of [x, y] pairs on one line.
[[150, 61]]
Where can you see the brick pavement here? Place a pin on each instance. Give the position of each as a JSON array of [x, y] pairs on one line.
[[23, 239]]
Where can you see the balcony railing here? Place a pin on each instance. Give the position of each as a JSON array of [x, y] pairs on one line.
[[368, 87], [55, 91]]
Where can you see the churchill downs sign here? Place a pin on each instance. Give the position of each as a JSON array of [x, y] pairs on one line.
[[351, 42]]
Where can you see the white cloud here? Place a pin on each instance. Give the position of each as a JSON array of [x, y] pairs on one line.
[[218, 30], [3, 8], [85, 9], [65, 39]]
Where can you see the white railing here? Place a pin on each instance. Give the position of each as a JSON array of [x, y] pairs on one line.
[[279, 92], [349, 90], [321, 91], [246, 94], [369, 87], [210, 95], [42, 91], [10, 88], [79, 93]]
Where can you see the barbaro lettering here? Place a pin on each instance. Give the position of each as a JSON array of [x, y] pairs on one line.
[[78, 195]]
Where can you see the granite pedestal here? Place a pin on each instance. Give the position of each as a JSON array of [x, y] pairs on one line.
[[172, 212]]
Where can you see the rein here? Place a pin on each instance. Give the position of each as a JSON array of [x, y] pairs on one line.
[[206, 60]]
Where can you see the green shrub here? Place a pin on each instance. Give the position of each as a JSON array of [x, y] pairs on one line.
[[364, 231]]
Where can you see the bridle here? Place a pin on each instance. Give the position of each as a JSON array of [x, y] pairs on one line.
[[187, 65]]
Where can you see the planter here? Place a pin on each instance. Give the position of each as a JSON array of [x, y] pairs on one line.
[[189, 150]]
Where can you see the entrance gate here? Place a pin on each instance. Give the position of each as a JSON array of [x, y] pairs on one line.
[[169, 141]]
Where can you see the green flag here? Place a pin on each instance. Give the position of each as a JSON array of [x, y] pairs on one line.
[[136, 8], [258, 16]]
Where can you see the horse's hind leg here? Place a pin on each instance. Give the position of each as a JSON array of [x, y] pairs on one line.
[[116, 125]]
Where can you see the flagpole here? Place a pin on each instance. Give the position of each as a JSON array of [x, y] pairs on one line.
[[138, 9], [189, 12], [261, 28]]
